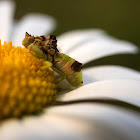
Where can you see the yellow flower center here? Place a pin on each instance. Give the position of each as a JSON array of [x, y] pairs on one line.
[[24, 88]]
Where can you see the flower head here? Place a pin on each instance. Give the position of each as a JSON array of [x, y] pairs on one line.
[[77, 121], [25, 89]]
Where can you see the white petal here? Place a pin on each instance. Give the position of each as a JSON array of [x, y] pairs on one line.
[[81, 122], [78, 122], [6, 19], [105, 122], [45, 127], [69, 40], [100, 73], [127, 90], [34, 24], [87, 45]]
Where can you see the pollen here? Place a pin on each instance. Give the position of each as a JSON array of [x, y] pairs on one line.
[[24, 88]]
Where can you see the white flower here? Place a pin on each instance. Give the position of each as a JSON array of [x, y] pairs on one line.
[[78, 121]]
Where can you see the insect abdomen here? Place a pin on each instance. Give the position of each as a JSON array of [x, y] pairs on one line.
[[71, 69]]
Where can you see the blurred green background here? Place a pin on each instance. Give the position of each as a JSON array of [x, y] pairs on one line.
[[120, 18]]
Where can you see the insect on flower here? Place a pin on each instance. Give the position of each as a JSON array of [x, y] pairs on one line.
[[45, 47]]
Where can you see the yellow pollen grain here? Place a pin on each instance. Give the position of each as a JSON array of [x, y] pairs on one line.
[[25, 89]]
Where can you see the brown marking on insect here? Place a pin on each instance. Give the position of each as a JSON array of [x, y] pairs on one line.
[[76, 66], [54, 42], [56, 49], [29, 37], [28, 34], [44, 50], [38, 37], [43, 38], [52, 37], [69, 71], [66, 68]]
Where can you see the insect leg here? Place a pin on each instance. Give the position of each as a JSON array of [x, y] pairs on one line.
[[30, 50], [63, 76], [47, 65], [35, 50]]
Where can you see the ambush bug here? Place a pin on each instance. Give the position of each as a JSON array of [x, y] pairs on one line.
[[45, 47]]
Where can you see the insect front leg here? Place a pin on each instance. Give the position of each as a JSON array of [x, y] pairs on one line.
[[31, 51], [47, 65], [35, 50], [62, 75]]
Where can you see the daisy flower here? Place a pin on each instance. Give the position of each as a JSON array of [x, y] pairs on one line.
[[27, 90]]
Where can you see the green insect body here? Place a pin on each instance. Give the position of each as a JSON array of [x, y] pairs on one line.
[[45, 47]]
